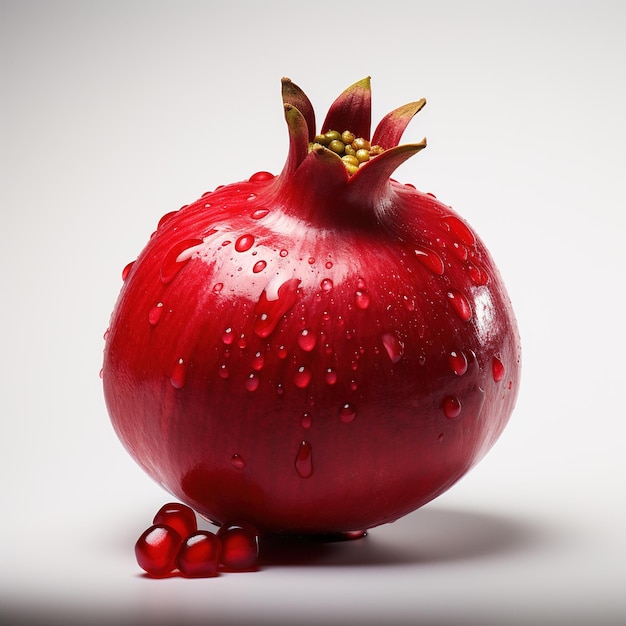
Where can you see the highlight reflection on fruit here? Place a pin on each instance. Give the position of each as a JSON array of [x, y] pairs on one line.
[[320, 351]]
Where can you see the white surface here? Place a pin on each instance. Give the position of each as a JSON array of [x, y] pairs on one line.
[[113, 113]]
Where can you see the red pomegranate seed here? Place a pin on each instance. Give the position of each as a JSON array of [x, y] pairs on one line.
[[179, 517], [240, 546], [156, 550], [199, 555]]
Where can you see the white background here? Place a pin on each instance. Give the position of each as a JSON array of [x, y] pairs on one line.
[[113, 113]]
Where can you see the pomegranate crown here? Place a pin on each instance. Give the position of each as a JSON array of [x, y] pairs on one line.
[[344, 157]]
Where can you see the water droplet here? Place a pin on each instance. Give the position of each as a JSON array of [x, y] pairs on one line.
[[327, 285], [430, 260], [244, 243], [223, 371], [302, 377], [179, 375], [304, 460], [237, 461], [252, 382], [393, 346], [282, 352], [497, 369], [155, 313], [460, 304], [451, 407], [177, 257], [347, 413], [251, 196], [259, 214], [311, 260], [258, 361], [273, 304], [306, 420], [330, 376], [460, 251], [259, 266], [126, 270], [217, 287], [328, 265], [460, 229], [283, 253], [362, 299], [242, 342], [307, 340], [165, 218], [478, 274], [258, 177], [227, 336], [409, 303], [458, 362]]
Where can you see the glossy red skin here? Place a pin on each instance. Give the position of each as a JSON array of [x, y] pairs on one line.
[[400, 450]]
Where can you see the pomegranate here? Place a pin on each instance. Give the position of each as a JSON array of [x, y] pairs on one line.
[[321, 351]]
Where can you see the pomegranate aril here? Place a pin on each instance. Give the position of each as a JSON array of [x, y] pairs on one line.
[[240, 546], [179, 517], [156, 550], [199, 555]]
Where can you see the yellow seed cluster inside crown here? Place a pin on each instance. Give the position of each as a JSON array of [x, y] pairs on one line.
[[354, 151]]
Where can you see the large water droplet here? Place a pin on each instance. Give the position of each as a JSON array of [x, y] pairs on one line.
[[327, 285], [304, 460], [430, 260], [244, 243], [154, 315], [460, 251], [460, 304], [478, 274], [258, 177], [393, 346], [258, 361], [126, 270], [302, 377], [458, 362], [177, 257], [252, 382], [165, 218], [217, 287], [331, 376], [274, 302], [306, 420], [451, 407], [307, 340], [460, 229], [497, 369], [227, 336], [259, 214], [347, 413], [259, 266], [179, 375], [223, 371], [362, 299], [237, 461]]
